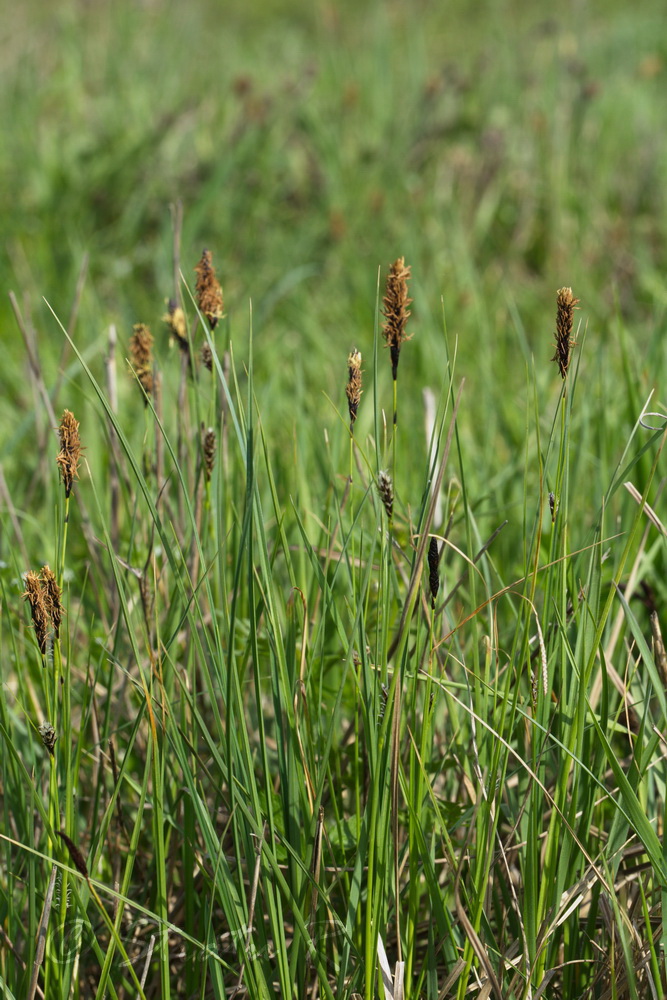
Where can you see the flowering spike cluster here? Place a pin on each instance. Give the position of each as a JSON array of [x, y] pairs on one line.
[[52, 598], [433, 572], [70, 450], [141, 348], [48, 734], [395, 309], [353, 389], [209, 292], [44, 596], [207, 357], [565, 306], [34, 595], [385, 489], [175, 320]]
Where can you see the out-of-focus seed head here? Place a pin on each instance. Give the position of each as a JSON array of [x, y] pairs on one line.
[[209, 292], [175, 320], [434, 573], [48, 734], [75, 854], [207, 357], [209, 451], [141, 349]]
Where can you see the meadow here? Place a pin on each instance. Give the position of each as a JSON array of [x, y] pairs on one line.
[[332, 552]]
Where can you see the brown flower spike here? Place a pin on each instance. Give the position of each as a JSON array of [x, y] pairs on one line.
[[209, 292], [52, 598], [565, 302], [175, 320], [34, 595], [385, 489], [48, 734], [353, 389], [395, 309], [70, 450], [433, 572], [209, 451], [141, 349], [207, 357], [75, 854]]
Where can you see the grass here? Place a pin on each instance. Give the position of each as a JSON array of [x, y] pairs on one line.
[[282, 765]]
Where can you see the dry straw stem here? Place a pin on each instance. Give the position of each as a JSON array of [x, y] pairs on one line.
[[141, 348], [209, 292], [566, 303], [353, 389], [52, 598], [395, 309], [385, 489], [175, 320], [34, 594], [70, 450]]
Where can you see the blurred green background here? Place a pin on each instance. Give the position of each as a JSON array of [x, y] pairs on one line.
[[505, 149]]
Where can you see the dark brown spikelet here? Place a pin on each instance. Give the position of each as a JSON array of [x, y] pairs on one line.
[[353, 389], [48, 734], [141, 349], [52, 598], [75, 854], [209, 451], [209, 292], [70, 450], [207, 357], [565, 303], [175, 320], [34, 595], [433, 571], [395, 309], [553, 507], [385, 489]]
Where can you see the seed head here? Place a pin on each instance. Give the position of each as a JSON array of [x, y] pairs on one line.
[[353, 389], [52, 595], [209, 292], [385, 489], [141, 348], [70, 450], [553, 507], [207, 357], [75, 854], [565, 305], [175, 320], [48, 734], [34, 595], [434, 573], [395, 309], [209, 451]]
